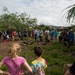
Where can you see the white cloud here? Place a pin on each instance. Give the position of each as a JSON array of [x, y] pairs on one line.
[[46, 11]]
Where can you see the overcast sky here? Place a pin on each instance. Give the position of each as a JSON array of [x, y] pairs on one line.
[[47, 12]]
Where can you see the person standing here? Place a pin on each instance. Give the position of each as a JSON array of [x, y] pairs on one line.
[[39, 65], [14, 62]]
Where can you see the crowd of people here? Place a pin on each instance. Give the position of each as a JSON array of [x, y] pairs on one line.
[[7, 35], [65, 36]]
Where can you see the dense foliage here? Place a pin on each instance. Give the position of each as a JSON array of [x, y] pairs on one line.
[[16, 21]]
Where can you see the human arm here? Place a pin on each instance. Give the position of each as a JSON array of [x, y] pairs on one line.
[[1, 71], [27, 66]]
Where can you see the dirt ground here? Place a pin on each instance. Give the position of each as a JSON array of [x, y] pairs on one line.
[[4, 47]]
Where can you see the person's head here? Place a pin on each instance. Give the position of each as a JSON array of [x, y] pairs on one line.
[[14, 50], [71, 30], [38, 51]]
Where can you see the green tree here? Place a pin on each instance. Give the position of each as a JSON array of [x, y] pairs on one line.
[[20, 22]]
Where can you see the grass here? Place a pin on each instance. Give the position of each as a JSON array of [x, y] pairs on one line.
[[56, 56]]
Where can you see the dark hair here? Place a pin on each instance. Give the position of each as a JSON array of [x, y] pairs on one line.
[[38, 51]]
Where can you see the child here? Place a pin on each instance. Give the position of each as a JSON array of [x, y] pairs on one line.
[[39, 64], [14, 62]]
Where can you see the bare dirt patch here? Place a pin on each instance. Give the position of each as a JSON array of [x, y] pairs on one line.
[[4, 47]]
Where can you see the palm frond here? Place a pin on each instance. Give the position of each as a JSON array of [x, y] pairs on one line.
[[70, 6], [71, 14]]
